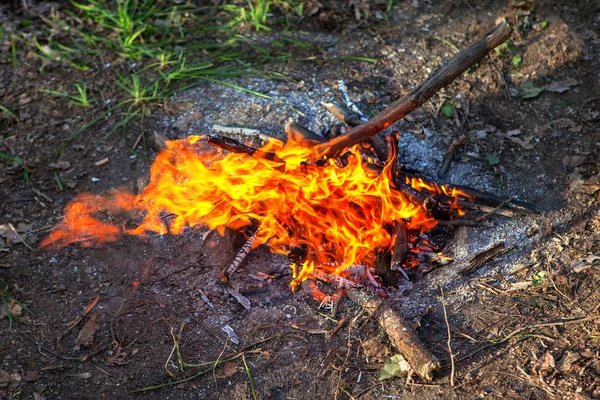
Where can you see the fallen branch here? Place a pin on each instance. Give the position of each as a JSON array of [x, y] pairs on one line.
[[425, 364], [440, 78]]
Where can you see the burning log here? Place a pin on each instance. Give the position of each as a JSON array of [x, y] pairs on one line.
[[440, 78], [425, 364]]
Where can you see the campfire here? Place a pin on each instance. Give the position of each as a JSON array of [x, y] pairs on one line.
[[328, 206]]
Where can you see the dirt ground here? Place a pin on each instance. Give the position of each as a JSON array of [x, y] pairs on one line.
[[523, 325]]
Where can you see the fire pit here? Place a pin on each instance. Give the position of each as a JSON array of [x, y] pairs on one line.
[[329, 206]]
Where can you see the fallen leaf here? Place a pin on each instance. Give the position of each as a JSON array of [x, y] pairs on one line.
[[228, 370], [561, 86], [567, 123], [528, 90], [584, 263], [547, 362], [520, 285], [394, 366], [374, 350], [85, 312], [565, 364], [524, 143], [86, 335], [60, 164], [572, 161], [15, 308], [120, 357], [31, 376], [579, 185]]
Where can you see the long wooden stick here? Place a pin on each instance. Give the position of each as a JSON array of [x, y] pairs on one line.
[[440, 78]]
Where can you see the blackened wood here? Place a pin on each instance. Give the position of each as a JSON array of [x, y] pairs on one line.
[[425, 364], [400, 250], [383, 264], [392, 158], [480, 259], [300, 133], [344, 114], [234, 146], [440, 78], [450, 154], [477, 195], [415, 196]]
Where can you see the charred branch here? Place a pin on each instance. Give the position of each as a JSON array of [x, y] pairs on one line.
[[234, 146], [440, 78], [400, 249], [450, 154]]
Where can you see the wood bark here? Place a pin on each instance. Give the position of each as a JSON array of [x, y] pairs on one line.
[[425, 364], [440, 78]]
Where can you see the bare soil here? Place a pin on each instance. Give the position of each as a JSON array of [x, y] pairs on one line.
[[522, 325]]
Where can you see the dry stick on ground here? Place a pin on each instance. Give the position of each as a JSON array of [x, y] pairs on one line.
[[449, 338], [450, 154], [440, 78], [425, 364]]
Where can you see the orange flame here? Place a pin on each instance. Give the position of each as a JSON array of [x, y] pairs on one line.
[[338, 213]]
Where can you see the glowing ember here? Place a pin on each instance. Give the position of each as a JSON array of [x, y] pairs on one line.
[[338, 214]]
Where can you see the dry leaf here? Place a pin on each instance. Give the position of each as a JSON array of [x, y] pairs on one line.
[[547, 363], [561, 86], [565, 364], [86, 335], [566, 123], [60, 164], [572, 161], [524, 143], [228, 370], [14, 308], [578, 185], [374, 350]]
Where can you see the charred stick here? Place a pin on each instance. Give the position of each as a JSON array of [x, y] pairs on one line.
[[353, 119], [400, 250], [349, 103], [477, 195], [234, 146], [392, 159], [440, 78], [473, 206], [450, 154], [300, 133], [415, 196], [343, 114], [425, 364], [462, 222], [383, 263]]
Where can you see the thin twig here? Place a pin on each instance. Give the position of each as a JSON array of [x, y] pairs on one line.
[[495, 210], [449, 337], [12, 228]]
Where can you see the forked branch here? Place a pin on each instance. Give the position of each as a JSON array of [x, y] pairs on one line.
[[440, 78]]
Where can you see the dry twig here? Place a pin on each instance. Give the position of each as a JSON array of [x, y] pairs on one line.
[[449, 338]]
